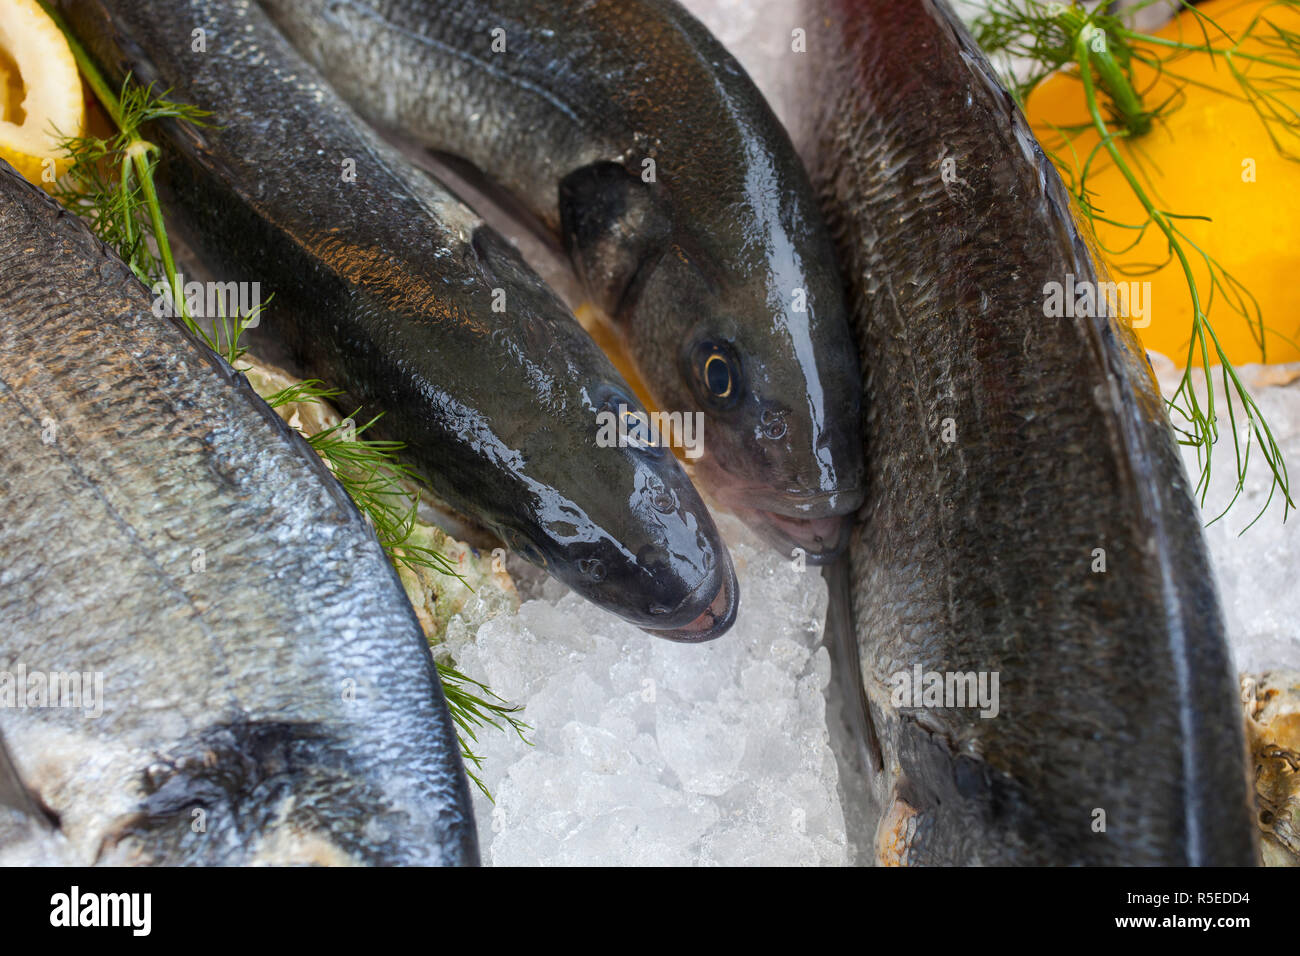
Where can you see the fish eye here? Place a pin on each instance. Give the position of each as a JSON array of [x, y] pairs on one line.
[[631, 419], [718, 373]]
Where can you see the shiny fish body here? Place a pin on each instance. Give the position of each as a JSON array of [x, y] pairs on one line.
[[630, 135], [254, 685], [385, 285], [1117, 738]]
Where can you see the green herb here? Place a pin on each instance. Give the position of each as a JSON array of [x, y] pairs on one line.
[[372, 475], [1099, 49], [470, 711]]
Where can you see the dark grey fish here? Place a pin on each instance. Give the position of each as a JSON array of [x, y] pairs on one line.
[[631, 135], [1010, 454], [205, 656], [387, 286]]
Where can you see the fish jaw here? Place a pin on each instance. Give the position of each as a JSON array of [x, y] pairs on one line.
[[816, 523], [714, 620], [818, 540], [652, 555]]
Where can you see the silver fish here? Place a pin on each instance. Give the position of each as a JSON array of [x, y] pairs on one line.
[[630, 135], [205, 656], [1029, 537]]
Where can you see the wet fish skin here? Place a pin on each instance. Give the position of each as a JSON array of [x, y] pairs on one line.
[[976, 555], [388, 287], [166, 531], [708, 266]]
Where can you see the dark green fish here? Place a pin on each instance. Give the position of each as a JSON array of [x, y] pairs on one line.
[[1028, 516], [628, 133], [387, 286], [205, 656]]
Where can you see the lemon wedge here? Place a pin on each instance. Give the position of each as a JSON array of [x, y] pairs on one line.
[[41, 101]]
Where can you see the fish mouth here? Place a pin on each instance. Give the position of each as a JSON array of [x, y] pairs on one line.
[[820, 539], [797, 503], [714, 621], [816, 522]]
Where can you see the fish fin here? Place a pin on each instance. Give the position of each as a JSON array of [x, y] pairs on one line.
[[482, 193], [842, 642], [498, 257], [14, 793], [615, 230]]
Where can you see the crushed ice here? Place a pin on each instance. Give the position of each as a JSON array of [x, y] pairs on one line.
[[649, 752]]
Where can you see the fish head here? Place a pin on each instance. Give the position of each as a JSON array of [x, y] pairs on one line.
[[780, 441], [587, 493], [741, 329], [629, 531]]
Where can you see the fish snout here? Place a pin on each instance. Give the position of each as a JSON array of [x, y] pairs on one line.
[[710, 608], [678, 595], [653, 557]]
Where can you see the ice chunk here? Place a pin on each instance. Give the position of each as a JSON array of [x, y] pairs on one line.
[[653, 753], [1255, 568]]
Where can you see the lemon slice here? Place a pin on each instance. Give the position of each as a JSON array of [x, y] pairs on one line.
[[41, 101], [1208, 155]]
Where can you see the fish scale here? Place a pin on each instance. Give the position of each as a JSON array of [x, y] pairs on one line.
[[976, 555], [160, 448], [385, 286], [622, 130]]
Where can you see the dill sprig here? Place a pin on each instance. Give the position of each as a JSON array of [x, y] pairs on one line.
[[1099, 49], [110, 183], [373, 476], [136, 193], [471, 711]]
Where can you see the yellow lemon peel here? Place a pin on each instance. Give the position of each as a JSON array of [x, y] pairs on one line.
[[1208, 155], [41, 100]]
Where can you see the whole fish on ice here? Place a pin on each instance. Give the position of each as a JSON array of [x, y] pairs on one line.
[[205, 655], [386, 286], [1028, 516], [628, 133]]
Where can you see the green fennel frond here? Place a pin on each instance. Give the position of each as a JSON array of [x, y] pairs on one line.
[[1098, 49]]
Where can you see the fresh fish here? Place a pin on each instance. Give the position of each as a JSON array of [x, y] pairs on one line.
[[1028, 518], [205, 656], [387, 286], [629, 134]]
